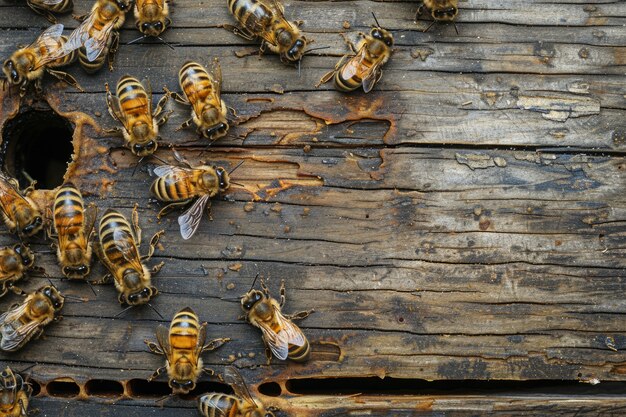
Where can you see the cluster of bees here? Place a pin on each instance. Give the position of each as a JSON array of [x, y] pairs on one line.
[[72, 223]]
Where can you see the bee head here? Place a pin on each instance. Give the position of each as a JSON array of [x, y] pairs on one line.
[[153, 29], [144, 149], [76, 272], [181, 386], [123, 4], [33, 226], [53, 295], [223, 178], [216, 132], [382, 35], [28, 259], [296, 51], [217, 124], [11, 72], [448, 13], [250, 299]]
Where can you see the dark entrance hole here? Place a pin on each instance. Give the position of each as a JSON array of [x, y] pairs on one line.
[[63, 388], [104, 388], [35, 386], [143, 388], [271, 389], [37, 145]]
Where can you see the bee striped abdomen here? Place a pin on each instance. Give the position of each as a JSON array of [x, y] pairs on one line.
[[299, 353], [133, 97], [195, 82], [184, 329], [114, 226], [92, 66], [63, 7], [218, 405], [252, 14], [68, 209], [172, 189]]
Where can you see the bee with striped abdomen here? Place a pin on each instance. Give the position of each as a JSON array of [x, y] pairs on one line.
[[99, 33], [132, 107], [50, 50], [180, 186], [152, 17], [281, 336], [217, 404], [202, 91], [73, 226], [118, 249], [18, 211], [14, 262], [26, 321], [15, 394], [364, 66], [182, 346], [47, 7], [440, 11], [265, 19]]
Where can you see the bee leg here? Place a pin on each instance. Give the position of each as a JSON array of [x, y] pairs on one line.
[[300, 315], [41, 11], [104, 280], [115, 43], [283, 298], [264, 288], [208, 371], [208, 210], [153, 242], [165, 210], [179, 98], [154, 348], [164, 118], [215, 343], [81, 17], [349, 43], [155, 270], [419, 11], [156, 374], [268, 354], [239, 31], [17, 290], [4, 290], [65, 77], [298, 23], [325, 78], [135, 225], [185, 125]]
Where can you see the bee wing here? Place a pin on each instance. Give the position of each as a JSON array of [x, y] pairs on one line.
[[43, 41], [50, 2], [98, 42], [371, 77], [14, 313], [216, 72], [278, 342], [293, 332], [190, 220], [165, 170], [163, 337], [125, 243], [233, 378], [352, 67], [54, 32], [12, 337], [146, 86], [115, 109]]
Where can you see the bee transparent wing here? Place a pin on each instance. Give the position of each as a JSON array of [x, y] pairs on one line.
[[165, 170], [146, 86], [233, 378], [44, 41], [216, 73], [115, 109], [278, 342], [190, 220], [163, 337], [125, 243], [353, 66], [97, 43], [371, 77], [12, 337], [54, 32], [50, 2], [293, 332]]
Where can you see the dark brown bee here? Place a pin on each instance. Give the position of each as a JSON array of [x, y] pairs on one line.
[[364, 66], [281, 336], [152, 16], [14, 262], [26, 321], [73, 226], [50, 50], [132, 107], [202, 92], [265, 19], [17, 210], [118, 251], [439, 11], [217, 404], [182, 346], [15, 394]]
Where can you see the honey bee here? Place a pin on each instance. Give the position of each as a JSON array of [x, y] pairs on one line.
[[182, 346], [265, 19], [15, 394], [152, 17], [14, 262], [118, 250], [202, 92], [17, 210], [132, 107], [26, 321], [73, 226], [217, 404], [281, 336], [364, 66], [47, 7], [440, 11], [99, 33], [179, 186], [50, 50]]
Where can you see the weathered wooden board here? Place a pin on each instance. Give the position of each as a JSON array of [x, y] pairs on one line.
[[464, 223]]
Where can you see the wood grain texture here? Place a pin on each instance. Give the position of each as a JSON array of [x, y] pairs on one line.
[[464, 223]]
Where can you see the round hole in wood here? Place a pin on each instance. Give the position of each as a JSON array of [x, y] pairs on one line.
[[104, 388], [143, 388], [37, 145], [65, 387], [271, 389], [35, 386]]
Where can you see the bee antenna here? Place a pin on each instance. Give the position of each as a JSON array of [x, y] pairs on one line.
[[237, 183], [50, 281], [316, 49], [159, 159], [136, 165], [72, 297], [138, 39], [161, 400], [230, 299], [122, 312], [253, 282], [299, 72], [92, 289], [156, 311], [429, 26], [456, 28], [162, 40], [238, 165], [376, 20]]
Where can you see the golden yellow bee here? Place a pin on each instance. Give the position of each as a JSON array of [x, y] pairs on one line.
[[18, 211], [73, 226], [180, 186], [26, 321], [14, 262], [182, 346], [15, 394], [50, 50], [440, 11], [217, 404], [265, 19], [152, 17], [202, 92], [132, 107], [362, 68], [99, 33], [47, 7], [118, 250], [281, 336]]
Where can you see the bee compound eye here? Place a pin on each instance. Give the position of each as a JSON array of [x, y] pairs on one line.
[[158, 25], [145, 26]]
